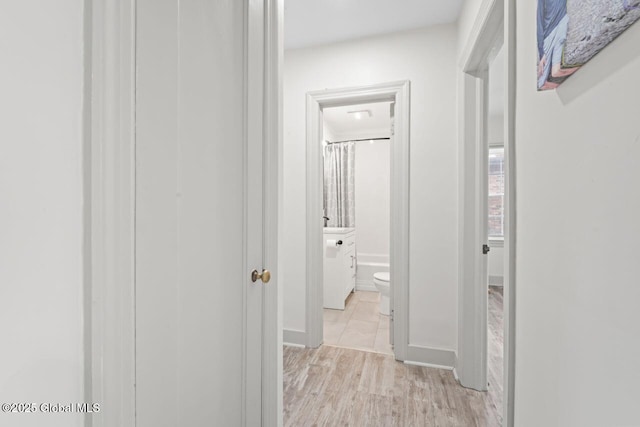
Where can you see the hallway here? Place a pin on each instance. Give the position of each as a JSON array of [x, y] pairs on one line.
[[340, 386]]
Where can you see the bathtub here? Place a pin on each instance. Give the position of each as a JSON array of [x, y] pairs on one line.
[[368, 265]]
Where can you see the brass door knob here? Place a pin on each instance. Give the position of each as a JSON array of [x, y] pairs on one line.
[[265, 276]]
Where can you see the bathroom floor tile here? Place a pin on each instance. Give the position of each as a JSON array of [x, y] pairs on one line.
[[367, 311], [381, 344], [333, 331], [359, 334], [352, 298], [384, 322], [368, 296], [359, 326], [336, 315]]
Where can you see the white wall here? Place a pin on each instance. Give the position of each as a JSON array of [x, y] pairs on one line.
[[496, 130], [41, 218], [327, 133], [466, 20], [495, 265], [578, 228], [427, 58], [373, 192], [363, 134]]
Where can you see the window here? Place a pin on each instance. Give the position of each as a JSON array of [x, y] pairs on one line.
[[496, 193]]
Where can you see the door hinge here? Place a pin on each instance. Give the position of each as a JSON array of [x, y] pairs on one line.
[[391, 314], [485, 249]]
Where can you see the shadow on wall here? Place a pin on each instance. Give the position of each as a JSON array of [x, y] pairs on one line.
[[620, 53]]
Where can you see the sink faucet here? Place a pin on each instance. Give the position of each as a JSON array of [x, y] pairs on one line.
[[326, 220]]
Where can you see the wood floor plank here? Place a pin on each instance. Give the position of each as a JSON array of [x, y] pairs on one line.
[[332, 386]]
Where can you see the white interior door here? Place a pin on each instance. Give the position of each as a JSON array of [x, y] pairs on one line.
[[198, 216], [483, 170], [482, 195]]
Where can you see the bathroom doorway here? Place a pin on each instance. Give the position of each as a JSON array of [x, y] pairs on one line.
[[369, 101], [356, 155]]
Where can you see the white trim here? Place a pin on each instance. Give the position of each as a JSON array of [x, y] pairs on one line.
[[366, 286], [87, 190], [294, 338], [496, 242], [272, 367], [486, 34], [495, 24], [314, 291], [112, 211], [399, 253], [254, 206], [428, 365], [496, 280], [472, 293], [288, 344], [430, 357], [486, 27], [510, 216]]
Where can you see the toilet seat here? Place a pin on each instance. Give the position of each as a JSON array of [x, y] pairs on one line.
[[382, 276]]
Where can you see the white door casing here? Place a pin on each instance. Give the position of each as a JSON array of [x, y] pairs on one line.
[[399, 93], [392, 115], [494, 25], [204, 183], [111, 335], [471, 366]]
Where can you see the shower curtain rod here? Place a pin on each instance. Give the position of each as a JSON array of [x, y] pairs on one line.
[[356, 140]]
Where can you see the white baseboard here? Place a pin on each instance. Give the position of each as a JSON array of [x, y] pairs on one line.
[[430, 357], [496, 280], [365, 285], [288, 344], [428, 365], [293, 338]]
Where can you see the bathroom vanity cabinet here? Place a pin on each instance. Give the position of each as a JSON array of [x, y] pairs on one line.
[[339, 266]]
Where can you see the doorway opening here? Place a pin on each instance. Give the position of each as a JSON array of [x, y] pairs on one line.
[[323, 249], [486, 313], [356, 154]]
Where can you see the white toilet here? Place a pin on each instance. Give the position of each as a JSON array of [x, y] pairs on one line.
[[381, 280]]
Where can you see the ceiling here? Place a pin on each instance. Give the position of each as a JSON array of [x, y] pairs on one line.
[[316, 22], [344, 125]]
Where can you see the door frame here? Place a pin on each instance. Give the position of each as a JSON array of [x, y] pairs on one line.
[[272, 341], [399, 92], [494, 24], [110, 318], [110, 67]]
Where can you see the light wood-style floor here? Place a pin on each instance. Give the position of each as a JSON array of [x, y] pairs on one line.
[[360, 325], [332, 386], [495, 347]]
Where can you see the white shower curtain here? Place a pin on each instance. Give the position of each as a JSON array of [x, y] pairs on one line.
[[339, 184]]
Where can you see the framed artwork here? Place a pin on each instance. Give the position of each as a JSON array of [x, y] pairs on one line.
[[571, 32]]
